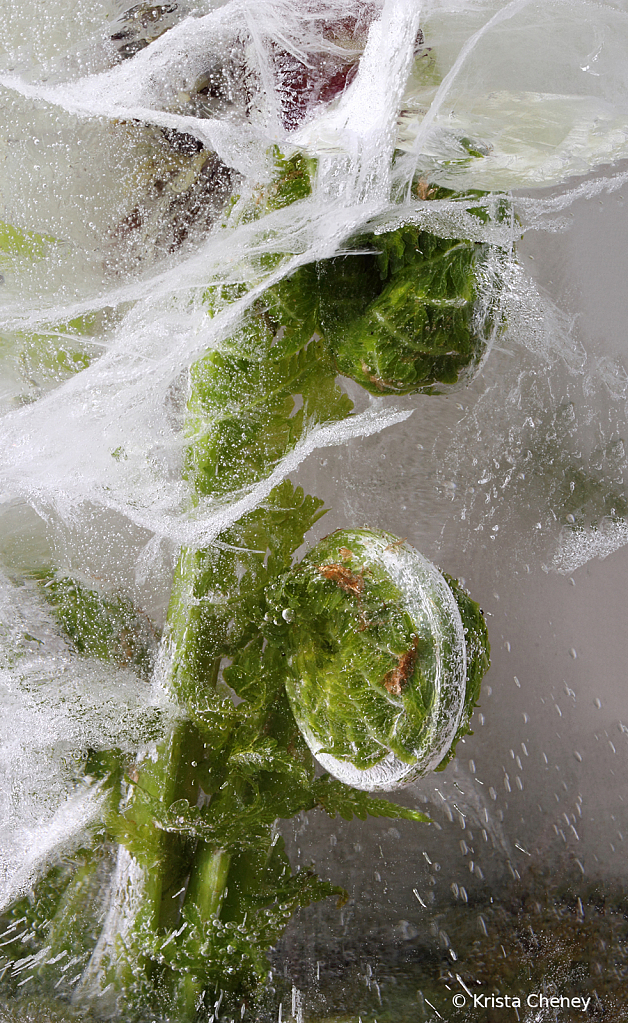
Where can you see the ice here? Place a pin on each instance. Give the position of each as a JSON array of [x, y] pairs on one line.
[[56, 707], [538, 87], [527, 98], [433, 609], [125, 393], [576, 547]]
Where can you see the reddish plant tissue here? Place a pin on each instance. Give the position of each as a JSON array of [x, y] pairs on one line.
[[311, 79], [346, 580], [395, 681]]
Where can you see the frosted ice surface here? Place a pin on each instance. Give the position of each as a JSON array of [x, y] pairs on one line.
[[577, 546]]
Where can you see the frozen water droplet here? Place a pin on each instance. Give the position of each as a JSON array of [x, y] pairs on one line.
[[430, 603]]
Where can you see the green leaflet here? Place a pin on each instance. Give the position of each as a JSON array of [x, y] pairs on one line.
[[235, 824], [410, 325], [15, 243], [242, 417], [340, 800], [107, 627], [290, 181], [478, 658], [580, 491], [227, 952], [217, 601], [266, 755]]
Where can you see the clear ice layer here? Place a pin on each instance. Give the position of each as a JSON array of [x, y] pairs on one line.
[[430, 603]]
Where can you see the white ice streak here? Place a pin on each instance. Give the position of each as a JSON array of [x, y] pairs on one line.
[[361, 125], [26, 853], [543, 214], [54, 707], [141, 89]]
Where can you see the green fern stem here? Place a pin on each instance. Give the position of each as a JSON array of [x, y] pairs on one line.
[[206, 889]]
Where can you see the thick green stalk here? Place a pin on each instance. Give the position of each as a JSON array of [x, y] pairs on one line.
[[241, 422], [206, 890], [208, 880]]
